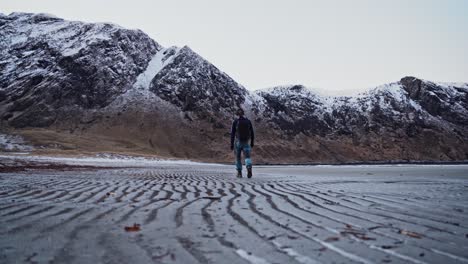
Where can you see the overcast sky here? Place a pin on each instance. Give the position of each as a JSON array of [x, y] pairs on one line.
[[337, 47]]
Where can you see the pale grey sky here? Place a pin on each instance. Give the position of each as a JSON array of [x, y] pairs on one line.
[[337, 47]]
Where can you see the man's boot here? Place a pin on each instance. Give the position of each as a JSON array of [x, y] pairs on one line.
[[239, 174], [249, 172]]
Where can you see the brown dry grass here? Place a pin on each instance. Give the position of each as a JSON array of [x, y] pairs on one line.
[[153, 134]]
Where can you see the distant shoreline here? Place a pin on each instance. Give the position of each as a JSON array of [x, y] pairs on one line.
[[109, 159], [367, 163]]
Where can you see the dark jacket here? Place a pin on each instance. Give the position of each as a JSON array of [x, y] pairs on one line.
[[234, 128]]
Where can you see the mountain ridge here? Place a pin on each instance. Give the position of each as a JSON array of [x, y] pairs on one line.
[[67, 80]]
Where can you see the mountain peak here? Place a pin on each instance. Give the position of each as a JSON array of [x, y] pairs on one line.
[[33, 17]]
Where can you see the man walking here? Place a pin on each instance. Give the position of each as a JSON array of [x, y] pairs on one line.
[[241, 132]]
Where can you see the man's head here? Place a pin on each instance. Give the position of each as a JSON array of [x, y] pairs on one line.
[[240, 112]]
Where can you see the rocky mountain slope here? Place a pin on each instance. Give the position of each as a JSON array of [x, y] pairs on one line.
[[411, 119], [51, 66], [98, 87]]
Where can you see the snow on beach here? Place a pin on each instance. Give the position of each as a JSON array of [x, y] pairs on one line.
[[99, 160], [13, 143]]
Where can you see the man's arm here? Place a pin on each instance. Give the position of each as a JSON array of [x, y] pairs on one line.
[[233, 133], [252, 136]]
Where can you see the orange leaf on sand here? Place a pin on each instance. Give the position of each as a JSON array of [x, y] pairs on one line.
[[410, 234], [134, 228]]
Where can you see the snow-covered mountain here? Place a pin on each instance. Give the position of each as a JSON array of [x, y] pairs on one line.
[[102, 87], [411, 119], [406, 103], [197, 86], [50, 66]]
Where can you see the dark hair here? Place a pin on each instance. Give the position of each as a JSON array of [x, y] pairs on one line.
[[240, 112]]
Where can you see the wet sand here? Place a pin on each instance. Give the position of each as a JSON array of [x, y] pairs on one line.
[[201, 213]]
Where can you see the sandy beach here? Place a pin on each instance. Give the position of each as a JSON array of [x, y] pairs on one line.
[[183, 212]]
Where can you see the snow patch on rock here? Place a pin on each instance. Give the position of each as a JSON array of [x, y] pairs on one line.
[[164, 57]]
